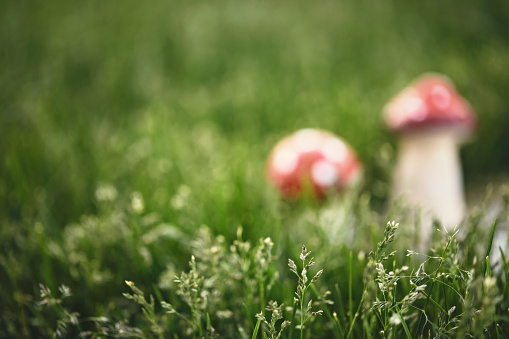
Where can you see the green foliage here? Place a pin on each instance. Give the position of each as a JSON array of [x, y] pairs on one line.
[[134, 136], [304, 284], [440, 295], [276, 314], [66, 319]]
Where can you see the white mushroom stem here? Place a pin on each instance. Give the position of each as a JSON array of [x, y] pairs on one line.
[[428, 175]]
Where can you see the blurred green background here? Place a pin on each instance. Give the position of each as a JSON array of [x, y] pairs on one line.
[[180, 102], [86, 86]]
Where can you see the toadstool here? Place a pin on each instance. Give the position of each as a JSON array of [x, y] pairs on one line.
[[432, 121], [312, 158]]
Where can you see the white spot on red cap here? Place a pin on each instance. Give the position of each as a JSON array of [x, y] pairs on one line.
[[324, 174], [285, 160], [416, 109], [334, 150], [307, 140], [407, 106], [440, 96]]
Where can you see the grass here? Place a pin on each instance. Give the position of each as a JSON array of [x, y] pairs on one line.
[[133, 138]]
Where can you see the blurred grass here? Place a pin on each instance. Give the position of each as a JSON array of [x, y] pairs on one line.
[[164, 98], [80, 79]]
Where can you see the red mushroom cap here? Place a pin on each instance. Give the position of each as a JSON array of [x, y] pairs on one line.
[[315, 158], [431, 100]]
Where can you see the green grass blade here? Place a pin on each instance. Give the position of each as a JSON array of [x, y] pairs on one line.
[[350, 297], [341, 307], [209, 325], [506, 272], [405, 327], [257, 327], [292, 326], [247, 315], [488, 250]]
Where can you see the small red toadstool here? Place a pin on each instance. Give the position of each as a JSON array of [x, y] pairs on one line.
[[315, 158], [432, 120]]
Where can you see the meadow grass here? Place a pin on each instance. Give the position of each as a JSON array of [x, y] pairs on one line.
[[133, 140]]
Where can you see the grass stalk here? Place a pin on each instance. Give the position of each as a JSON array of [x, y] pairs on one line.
[[505, 293], [350, 284], [341, 308], [431, 287], [290, 331], [357, 312], [257, 327], [488, 249], [404, 324]]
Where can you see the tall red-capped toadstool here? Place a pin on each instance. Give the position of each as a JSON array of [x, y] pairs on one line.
[[312, 158], [432, 121]]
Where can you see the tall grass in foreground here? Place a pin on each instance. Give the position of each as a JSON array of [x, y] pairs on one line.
[[243, 290]]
